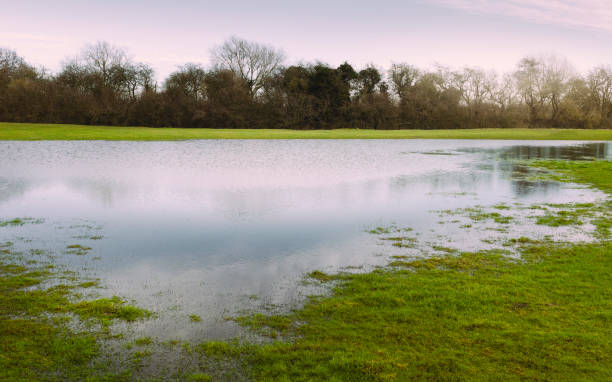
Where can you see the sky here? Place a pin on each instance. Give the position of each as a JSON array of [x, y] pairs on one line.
[[491, 34]]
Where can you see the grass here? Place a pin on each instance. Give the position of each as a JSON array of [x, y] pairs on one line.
[[595, 173], [17, 222], [36, 341], [476, 316], [28, 131]]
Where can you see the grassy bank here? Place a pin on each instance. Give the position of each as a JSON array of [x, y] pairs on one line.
[[19, 131]]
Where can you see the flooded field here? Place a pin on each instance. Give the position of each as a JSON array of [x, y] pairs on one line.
[[198, 231]]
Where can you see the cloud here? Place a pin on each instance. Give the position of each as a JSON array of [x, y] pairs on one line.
[[591, 14]]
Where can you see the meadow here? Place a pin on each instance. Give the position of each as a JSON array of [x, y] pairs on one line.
[[35, 132]]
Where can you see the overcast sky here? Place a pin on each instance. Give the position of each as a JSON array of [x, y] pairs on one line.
[[493, 34]]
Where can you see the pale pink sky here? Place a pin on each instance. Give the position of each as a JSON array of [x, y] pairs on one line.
[[488, 33]]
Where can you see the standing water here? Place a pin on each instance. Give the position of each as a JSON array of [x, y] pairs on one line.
[[212, 228]]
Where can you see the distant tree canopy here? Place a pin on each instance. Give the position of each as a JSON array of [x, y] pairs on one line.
[[249, 86]]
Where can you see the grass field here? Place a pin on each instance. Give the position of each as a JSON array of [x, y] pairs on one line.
[[33, 132]]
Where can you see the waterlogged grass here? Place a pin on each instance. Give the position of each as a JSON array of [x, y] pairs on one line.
[[36, 341], [594, 173], [597, 174], [459, 316], [475, 316], [28, 131], [455, 316]]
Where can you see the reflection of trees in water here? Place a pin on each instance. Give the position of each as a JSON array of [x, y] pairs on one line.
[[14, 189], [583, 151], [443, 181], [601, 150], [102, 191], [522, 185]]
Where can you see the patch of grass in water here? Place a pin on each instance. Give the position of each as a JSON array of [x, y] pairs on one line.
[[321, 276], [78, 249], [143, 341], [495, 216], [198, 377], [19, 222], [561, 218], [79, 246], [440, 248], [35, 342], [501, 207]]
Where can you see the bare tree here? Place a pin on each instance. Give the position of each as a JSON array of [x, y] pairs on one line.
[[13, 66], [253, 62], [138, 80], [556, 75], [599, 81], [189, 79], [530, 85], [476, 87], [101, 57], [502, 92], [403, 77]]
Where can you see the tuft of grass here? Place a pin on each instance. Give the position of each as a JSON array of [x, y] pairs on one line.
[[143, 341], [321, 276], [561, 218], [195, 318], [198, 377], [79, 246], [19, 222]]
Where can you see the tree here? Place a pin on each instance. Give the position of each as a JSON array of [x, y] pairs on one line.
[[14, 67], [502, 92], [403, 77], [556, 73], [253, 62], [599, 82], [368, 79], [189, 80], [101, 57], [530, 84]]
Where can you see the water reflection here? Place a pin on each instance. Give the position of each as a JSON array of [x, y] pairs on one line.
[[598, 150], [197, 227]]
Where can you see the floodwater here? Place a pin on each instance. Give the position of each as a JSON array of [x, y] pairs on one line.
[[216, 228]]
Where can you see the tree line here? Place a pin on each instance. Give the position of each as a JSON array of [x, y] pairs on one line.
[[248, 85]]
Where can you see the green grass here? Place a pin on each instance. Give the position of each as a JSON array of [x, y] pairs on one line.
[[36, 342], [26, 131], [17, 222], [476, 316], [595, 173]]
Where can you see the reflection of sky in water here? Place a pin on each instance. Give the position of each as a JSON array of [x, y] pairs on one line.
[[198, 226]]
